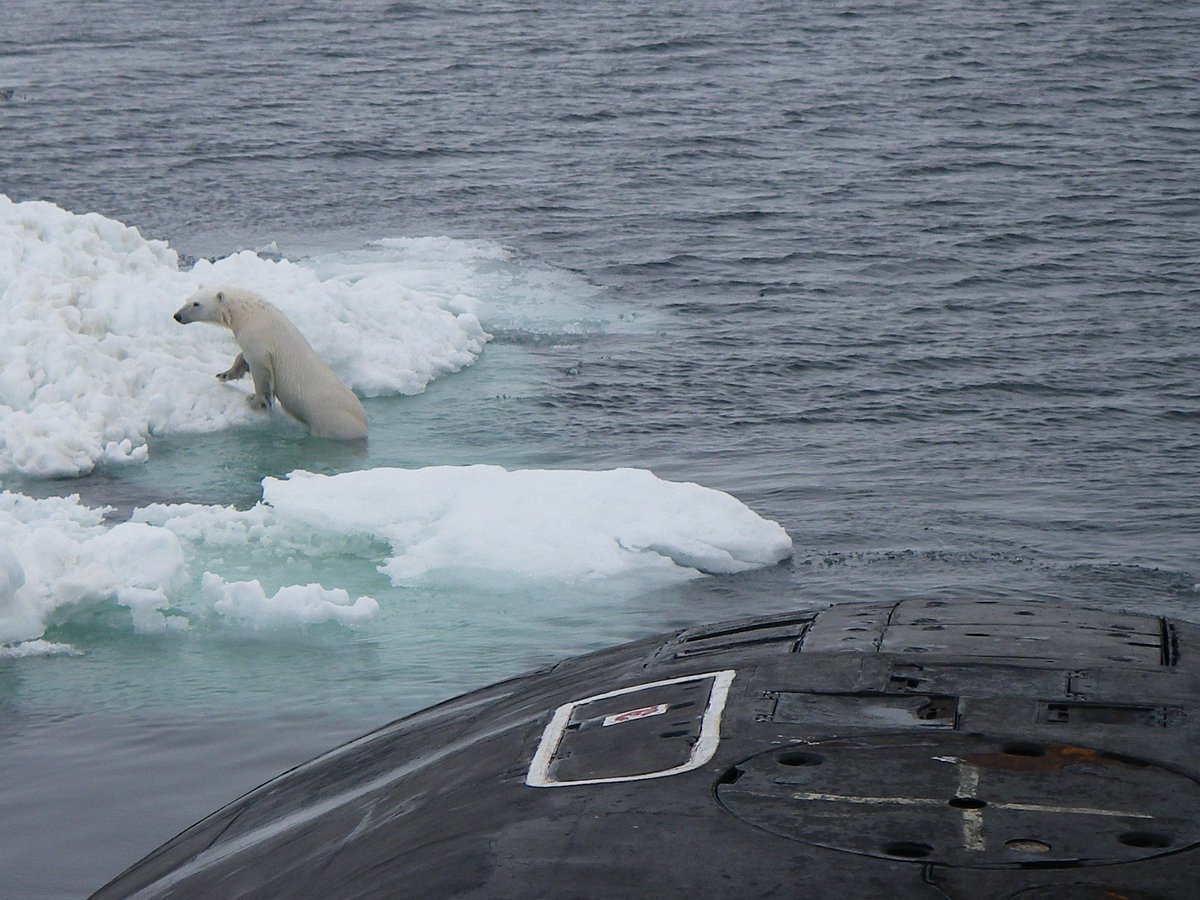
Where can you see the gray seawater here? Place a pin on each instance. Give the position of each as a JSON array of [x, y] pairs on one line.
[[924, 283]]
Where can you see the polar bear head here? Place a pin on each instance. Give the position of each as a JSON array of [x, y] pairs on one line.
[[205, 306]]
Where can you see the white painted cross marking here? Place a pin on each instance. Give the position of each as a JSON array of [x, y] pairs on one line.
[[929, 801], [972, 824], [972, 816]]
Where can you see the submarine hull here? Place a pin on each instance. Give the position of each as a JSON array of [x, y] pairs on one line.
[[973, 749]]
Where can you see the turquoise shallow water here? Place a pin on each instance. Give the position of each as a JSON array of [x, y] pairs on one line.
[[917, 282]]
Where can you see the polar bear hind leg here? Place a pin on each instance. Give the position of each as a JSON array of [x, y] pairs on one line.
[[264, 384]]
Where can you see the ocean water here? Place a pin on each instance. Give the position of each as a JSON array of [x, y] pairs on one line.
[[916, 282]]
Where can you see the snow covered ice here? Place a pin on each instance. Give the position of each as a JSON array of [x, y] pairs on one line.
[[92, 366], [563, 525], [91, 362], [471, 524]]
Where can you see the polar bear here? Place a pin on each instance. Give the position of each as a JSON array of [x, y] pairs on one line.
[[281, 362]]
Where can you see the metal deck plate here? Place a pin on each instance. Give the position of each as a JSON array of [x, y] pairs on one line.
[[966, 800]]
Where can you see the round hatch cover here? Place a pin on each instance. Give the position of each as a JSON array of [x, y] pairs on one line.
[[966, 800]]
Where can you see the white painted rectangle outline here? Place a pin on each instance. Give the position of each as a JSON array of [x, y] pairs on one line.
[[702, 751]]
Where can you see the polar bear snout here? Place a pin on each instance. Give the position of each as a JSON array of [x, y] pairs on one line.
[[192, 311]]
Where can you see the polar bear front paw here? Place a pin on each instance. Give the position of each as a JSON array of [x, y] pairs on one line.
[[257, 402], [236, 371]]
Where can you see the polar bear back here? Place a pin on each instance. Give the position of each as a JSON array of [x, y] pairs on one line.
[[304, 385]]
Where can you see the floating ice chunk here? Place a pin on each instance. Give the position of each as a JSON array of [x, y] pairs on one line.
[[20, 617], [146, 608], [212, 525], [475, 524], [78, 297], [56, 553], [139, 556], [12, 576], [533, 523], [308, 604]]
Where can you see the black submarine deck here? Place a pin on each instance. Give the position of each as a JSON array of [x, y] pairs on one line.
[[973, 749]]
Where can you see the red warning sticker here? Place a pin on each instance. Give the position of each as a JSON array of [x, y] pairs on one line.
[[630, 715]]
